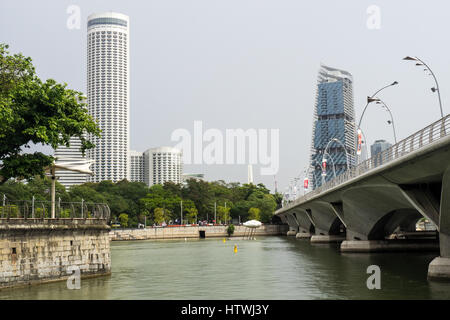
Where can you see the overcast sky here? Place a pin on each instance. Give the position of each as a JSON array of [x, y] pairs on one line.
[[249, 64]]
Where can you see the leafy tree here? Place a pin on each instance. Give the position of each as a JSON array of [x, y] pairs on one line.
[[159, 215], [36, 112], [223, 213], [230, 230], [123, 219], [254, 214], [191, 215]]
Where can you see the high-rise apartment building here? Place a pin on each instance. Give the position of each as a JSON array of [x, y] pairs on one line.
[[334, 117], [108, 83], [136, 166], [68, 154], [161, 165]]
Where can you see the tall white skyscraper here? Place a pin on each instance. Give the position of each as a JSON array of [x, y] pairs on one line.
[[161, 165], [108, 83]]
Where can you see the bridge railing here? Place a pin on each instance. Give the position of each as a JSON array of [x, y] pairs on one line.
[[28, 209], [414, 142]]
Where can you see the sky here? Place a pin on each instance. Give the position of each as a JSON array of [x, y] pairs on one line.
[[250, 64]]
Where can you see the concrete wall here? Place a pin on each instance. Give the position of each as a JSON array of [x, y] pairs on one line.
[[192, 232], [34, 251]]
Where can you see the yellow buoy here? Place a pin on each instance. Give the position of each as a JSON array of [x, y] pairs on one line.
[[235, 248], [224, 240]]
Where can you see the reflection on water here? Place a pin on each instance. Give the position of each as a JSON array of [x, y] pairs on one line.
[[267, 268]]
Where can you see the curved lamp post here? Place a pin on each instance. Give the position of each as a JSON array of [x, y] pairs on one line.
[[384, 106], [434, 89], [371, 97], [367, 104]]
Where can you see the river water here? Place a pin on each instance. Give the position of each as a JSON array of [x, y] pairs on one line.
[[265, 268]]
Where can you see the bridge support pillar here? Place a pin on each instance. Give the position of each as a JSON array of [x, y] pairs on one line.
[[439, 268], [303, 234], [327, 238]]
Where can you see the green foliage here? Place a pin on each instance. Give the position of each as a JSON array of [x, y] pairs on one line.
[[191, 215], [36, 112], [138, 201], [254, 214], [223, 214], [159, 216], [230, 230], [123, 220]]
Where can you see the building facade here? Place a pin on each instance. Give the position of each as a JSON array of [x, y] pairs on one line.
[[375, 151], [108, 83], [334, 117], [136, 166], [161, 165], [71, 153]]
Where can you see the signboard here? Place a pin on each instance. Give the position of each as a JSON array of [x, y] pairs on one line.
[[324, 167], [358, 150]]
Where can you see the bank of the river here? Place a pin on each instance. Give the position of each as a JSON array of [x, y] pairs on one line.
[[193, 232]]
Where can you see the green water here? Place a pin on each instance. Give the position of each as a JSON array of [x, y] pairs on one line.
[[266, 268]]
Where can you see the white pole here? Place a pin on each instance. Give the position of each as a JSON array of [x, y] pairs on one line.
[[215, 215], [32, 207], [181, 212], [82, 209], [225, 212]]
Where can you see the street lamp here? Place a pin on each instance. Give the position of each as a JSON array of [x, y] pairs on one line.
[[369, 100], [385, 107], [434, 89]]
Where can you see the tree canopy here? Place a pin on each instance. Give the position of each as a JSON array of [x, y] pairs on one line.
[[33, 111], [159, 203]]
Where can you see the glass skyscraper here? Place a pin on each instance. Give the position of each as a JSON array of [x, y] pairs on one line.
[[334, 117]]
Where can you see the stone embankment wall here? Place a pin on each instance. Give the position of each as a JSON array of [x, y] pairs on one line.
[[35, 251], [193, 232]]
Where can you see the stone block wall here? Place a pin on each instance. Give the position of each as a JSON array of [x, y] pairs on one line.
[[41, 250]]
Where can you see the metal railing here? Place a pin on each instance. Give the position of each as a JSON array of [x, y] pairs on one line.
[[29, 209], [414, 142]]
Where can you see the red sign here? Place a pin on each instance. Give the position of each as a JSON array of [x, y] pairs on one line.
[[358, 150], [305, 183], [324, 167]]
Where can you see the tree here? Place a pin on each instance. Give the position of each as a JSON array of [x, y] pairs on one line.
[[123, 219], [192, 214], [254, 214], [224, 214], [36, 112], [159, 216]]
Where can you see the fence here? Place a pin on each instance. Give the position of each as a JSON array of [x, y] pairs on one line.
[[29, 209], [414, 142]]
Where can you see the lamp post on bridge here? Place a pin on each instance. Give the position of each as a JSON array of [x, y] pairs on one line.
[[332, 160], [384, 106], [420, 62], [358, 128]]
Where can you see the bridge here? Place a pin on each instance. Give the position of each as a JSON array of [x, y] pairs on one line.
[[386, 194]]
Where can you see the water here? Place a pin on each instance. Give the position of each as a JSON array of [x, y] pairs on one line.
[[266, 268]]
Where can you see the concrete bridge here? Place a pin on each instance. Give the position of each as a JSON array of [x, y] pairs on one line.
[[388, 193]]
